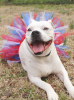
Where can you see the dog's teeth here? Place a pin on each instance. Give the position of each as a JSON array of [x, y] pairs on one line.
[[44, 44]]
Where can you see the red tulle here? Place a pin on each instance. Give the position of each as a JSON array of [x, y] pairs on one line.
[[61, 23], [9, 38], [58, 38], [22, 40], [18, 20], [60, 53], [67, 34], [35, 15], [7, 53], [56, 20]]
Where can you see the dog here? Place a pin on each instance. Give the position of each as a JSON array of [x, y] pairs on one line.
[[39, 57]]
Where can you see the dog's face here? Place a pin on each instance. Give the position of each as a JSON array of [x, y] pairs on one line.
[[39, 36]]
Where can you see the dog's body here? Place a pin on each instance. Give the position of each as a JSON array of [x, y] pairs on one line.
[[39, 57]]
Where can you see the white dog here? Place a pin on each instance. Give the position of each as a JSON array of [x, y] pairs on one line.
[[39, 57]]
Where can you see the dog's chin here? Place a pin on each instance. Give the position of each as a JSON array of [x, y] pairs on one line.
[[38, 47]]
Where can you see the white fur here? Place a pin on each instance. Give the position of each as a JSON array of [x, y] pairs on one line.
[[40, 66]]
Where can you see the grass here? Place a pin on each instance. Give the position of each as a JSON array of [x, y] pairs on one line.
[[28, 92], [0, 19], [63, 11], [63, 98], [22, 74], [14, 82], [65, 41], [71, 24], [36, 1]]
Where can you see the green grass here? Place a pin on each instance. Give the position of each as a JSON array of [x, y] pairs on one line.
[[73, 38], [15, 95], [1, 94], [0, 19], [21, 74], [36, 1], [29, 92], [65, 41], [68, 6], [63, 11], [1, 1], [63, 98], [71, 25]]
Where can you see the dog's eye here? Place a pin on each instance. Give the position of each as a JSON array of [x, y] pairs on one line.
[[29, 29], [45, 28]]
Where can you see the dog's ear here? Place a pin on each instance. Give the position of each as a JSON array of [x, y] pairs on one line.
[[50, 21], [32, 20]]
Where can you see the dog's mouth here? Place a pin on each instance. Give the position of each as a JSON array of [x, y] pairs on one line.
[[38, 47]]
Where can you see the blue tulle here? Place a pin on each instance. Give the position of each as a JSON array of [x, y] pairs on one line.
[[38, 17], [48, 15], [63, 53], [62, 46], [25, 17], [16, 57], [61, 31], [15, 34]]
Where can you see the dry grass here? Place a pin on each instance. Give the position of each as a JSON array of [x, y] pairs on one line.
[[14, 83]]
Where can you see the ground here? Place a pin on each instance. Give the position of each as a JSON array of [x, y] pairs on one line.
[[14, 83]]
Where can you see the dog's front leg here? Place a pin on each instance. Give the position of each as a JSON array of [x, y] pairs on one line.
[[45, 86], [63, 75]]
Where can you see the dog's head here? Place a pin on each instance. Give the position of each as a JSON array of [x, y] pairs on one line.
[[40, 36]]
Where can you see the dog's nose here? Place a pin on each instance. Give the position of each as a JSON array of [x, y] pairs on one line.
[[35, 33], [36, 36]]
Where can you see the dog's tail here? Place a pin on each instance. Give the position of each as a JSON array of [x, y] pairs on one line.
[[17, 29]]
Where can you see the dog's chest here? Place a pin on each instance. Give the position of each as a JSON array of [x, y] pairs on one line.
[[39, 68], [45, 70]]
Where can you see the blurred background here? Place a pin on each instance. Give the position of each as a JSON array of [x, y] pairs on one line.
[[36, 2]]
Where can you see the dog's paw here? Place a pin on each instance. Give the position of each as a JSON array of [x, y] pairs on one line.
[[53, 96], [71, 92]]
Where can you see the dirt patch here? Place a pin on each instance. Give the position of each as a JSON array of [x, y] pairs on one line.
[[14, 83]]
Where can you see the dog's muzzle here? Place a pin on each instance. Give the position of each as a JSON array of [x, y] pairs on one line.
[[37, 45], [35, 36]]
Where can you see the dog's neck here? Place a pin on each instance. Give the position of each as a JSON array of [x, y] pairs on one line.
[[48, 54], [44, 55]]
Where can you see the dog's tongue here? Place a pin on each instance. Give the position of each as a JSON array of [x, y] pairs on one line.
[[38, 47]]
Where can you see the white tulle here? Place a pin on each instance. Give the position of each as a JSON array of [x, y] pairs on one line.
[[42, 16], [61, 28], [7, 43], [11, 62], [31, 14], [16, 29]]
